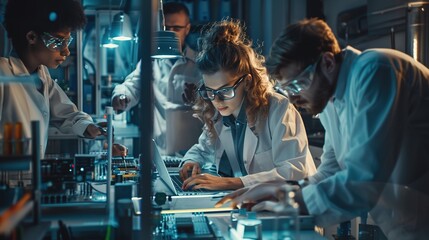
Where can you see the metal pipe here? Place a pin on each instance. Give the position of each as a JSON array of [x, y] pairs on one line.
[[392, 38], [148, 7], [36, 171], [418, 31], [109, 203], [388, 10]]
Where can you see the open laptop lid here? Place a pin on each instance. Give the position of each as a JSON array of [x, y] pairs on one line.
[[165, 177], [162, 169]]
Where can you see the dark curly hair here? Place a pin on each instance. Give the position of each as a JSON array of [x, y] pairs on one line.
[[23, 16], [225, 47]]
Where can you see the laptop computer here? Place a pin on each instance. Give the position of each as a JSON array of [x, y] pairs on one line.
[[172, 179]]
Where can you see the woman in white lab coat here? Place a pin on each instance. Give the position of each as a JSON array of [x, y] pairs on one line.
[[40, 31], [251, 133]]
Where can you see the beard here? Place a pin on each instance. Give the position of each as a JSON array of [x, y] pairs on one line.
[[320, 97]]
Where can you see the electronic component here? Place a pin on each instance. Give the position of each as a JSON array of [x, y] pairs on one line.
[[84, 167], [184, 227], [57, 171], [57, 179], [82, 178]]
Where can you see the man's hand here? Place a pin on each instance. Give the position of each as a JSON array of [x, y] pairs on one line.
[[249, 196], [94, 130], [192, 167], [119, 150], [210, 182], [120, 103], [189, 94]]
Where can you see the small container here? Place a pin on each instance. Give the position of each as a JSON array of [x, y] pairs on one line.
[[249, 229]]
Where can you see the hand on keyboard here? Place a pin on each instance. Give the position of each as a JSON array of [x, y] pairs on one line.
[[210, 182], [192, 167]]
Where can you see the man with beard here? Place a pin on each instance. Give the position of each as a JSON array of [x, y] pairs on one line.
[[373, 105]]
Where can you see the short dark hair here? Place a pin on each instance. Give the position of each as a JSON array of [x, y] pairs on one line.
[[175, 7], [22, 16], [301, 43]]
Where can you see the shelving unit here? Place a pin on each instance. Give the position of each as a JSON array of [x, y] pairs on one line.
[[12, 217]]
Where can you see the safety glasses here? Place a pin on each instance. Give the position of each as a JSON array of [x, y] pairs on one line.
[[55, 43], [302, 81], [225, 93]]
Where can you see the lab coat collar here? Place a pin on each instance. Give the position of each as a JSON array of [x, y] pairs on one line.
[[17, 66], [250, 141], [189, 53], [18, 69], [249, 148], [349, 55]]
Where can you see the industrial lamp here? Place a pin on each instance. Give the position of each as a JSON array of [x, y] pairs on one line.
[[121, 27], [107, 41], [166, 43]]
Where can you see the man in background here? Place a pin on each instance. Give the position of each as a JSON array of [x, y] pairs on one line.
[[171, 78]]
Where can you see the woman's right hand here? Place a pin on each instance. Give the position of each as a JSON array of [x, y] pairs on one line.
[[189, 167]]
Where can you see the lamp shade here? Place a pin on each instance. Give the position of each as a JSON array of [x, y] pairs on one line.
[[121, 27], [166, 45], [107, 41]]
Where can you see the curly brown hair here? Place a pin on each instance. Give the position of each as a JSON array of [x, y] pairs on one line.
[[225, 47]]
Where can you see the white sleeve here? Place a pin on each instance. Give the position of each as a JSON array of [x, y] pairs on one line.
[[203, 152], [329, 165], [64, 114], [130, 87]]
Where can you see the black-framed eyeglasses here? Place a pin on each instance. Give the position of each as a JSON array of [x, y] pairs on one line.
[[225, 93], [302, 81], [55, 43]]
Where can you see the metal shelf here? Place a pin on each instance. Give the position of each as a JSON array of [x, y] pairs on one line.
[[13, 216], [15, 163]]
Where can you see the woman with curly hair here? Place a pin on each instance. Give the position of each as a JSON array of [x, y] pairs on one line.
[[251, 134]]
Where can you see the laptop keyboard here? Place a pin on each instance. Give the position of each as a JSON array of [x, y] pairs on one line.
[[172, 161]]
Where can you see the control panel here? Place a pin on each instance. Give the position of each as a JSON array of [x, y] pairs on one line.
[[83, 178]]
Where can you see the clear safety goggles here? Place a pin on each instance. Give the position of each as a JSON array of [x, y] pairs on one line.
[[302, 81], [55, 43]]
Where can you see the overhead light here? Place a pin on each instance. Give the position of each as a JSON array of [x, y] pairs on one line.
[[167, 45], [107, 41], [121, 27]]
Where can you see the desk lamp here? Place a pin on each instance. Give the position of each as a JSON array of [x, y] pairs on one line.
[[166, 43]]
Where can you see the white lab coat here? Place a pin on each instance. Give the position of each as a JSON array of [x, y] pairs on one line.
[[376, 152], [276, 149], [24, 103], [169, 82]]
